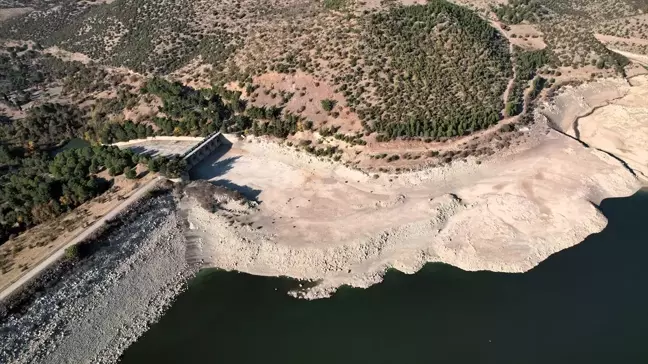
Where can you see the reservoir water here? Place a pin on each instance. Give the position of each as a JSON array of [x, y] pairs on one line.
[[73, 143], [587, 304]]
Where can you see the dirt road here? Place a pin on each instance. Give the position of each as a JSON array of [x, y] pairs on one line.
[[40, 267]]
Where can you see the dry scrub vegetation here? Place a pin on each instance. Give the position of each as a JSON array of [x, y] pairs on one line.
[[380, 85], [369, 82], [435, 70], [569, 27]]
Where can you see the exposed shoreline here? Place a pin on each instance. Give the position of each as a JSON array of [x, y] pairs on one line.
[[324, 222], [501, 215], [316, 220]]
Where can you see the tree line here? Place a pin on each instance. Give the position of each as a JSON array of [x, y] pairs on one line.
[[39, 182], [201, 112], [36, 187]]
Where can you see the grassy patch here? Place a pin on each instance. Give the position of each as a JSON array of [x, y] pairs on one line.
[[335, 4]]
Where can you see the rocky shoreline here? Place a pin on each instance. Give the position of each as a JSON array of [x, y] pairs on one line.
[[326, 223], [91, 310]]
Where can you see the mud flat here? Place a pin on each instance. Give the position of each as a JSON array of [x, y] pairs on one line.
[[324, 222], [338, 226], [90, 311], [611, 116]]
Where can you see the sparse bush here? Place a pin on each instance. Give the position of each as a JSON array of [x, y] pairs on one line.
[[335, 4], [130, 173], [328, 104], [73, 252]]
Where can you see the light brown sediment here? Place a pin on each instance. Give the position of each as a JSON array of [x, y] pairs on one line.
[[321, 221]]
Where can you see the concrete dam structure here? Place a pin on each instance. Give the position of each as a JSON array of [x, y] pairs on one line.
[[202, 150]]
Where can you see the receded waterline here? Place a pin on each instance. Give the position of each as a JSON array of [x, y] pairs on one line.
[[586, 304]]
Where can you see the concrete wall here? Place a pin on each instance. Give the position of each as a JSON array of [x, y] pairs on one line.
[[202, 150]]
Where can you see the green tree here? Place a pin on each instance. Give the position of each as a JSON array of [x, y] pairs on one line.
[[328, 104], [130, 173], [511, 109], [154, 165], [73, 252]]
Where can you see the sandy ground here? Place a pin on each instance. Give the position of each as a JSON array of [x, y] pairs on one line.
[[321, 221], [614, 120], [68, 56], [573, 102]]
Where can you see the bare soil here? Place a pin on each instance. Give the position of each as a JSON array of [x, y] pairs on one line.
[[614, 120], [305, 94], [526, 36], [322, 221], [9, 13]]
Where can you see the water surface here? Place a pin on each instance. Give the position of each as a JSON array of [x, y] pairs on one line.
[[587, 304], [74, 143]]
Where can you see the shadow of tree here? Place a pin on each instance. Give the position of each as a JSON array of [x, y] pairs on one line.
[[144, 152], [143, 174]]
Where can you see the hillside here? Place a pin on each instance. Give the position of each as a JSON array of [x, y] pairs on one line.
[[354, 137], [379, 86]]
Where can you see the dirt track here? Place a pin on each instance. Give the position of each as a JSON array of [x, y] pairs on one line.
[[92, 229], [91, 311]]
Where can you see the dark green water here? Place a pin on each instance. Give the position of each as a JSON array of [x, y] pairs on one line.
[[74, 143], [587, 304]]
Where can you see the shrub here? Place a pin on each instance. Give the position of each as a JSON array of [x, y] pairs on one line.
[[130, 173], [328, 104], [507, 128], [73, 252], [335, 4]]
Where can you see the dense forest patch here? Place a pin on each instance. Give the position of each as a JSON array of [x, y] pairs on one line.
[[517, 11], [435, 70], [201, 112], [36, 188], [526, 65], [37, 183]]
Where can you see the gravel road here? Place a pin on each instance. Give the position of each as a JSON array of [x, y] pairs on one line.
[[93, 309], [88, 233]]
